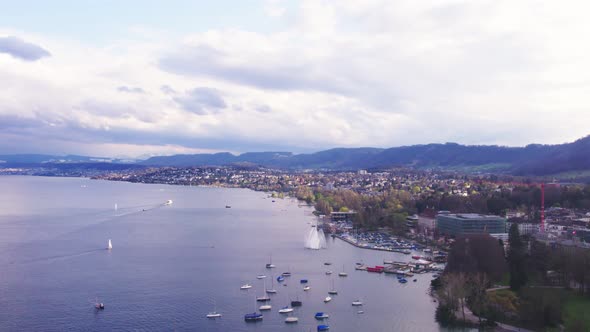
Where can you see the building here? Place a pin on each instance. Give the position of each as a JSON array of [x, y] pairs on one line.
[[342, 216], [469, 223]]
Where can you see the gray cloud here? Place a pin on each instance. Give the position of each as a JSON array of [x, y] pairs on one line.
[[128, 89], [202, 101], [22, 50]]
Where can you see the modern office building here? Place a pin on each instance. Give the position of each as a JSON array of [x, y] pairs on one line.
[[469, 223]]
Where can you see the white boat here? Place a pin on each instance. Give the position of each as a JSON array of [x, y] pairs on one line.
[[328, 273], [306, 288], [168, 202], [214, 313], [360, 312], [110, 245], [246, 286], [291, 320], [357, 303], [270, 265], [285, 310], [260, 276], [333, 291], [272, 289], [327, 299], [342, 274], [265, 307]]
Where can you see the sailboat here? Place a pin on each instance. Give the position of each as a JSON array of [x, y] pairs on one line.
[[253, 317], [291, 320], [264, 297], [214, 313], [272, 290], [110, 245], [343, 274], [116, 207], [285, 310], [357, 303], [270, 265], [333, 291]]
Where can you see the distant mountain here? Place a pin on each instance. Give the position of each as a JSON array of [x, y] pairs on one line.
[[534, 159]]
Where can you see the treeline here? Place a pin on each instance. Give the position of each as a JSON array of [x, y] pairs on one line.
[[497, 201], [539, 277]]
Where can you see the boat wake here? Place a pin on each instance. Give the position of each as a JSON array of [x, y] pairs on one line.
[[315, 239], [59, 257]]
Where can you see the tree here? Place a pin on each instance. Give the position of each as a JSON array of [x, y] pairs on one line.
[[516, 259]]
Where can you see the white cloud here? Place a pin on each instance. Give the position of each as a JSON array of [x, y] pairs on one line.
[[346, 73]]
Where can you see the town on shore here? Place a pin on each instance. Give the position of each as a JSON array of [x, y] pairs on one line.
[[516, 249]]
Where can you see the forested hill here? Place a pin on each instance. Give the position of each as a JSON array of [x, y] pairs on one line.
[[533, 159]]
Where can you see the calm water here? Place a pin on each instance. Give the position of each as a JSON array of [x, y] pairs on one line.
[[170, 264]]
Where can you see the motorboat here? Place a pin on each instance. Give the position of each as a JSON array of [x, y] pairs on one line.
[[286, 274], [265, 307], [291, 320], [306, 288], [285, 310], [213, 314], [343, 274], [253, 317], [168, 202], [303, 281], [280, 278], [323, 327], [296, 303], [357, 303], [328, 273], [260, 276], [321, 315], [327, 299], [246, 286]]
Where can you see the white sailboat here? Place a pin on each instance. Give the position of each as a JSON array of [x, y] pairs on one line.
[[272, 289], [333, 291], [110, 245], [116, 207], [343, 274], [214, 313], [246, 286]]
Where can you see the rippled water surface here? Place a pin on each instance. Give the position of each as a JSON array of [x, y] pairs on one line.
[[170, 265]]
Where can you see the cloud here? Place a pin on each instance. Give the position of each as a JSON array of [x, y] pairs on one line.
[[167, 89], [21, 49], [130, 89], [201, 101]]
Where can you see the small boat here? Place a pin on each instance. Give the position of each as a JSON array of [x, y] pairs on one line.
[[357, 303], [213, 314], [272, 290], [265, 307], [303, 281], [285, 310], [342, 274], [246, 286], [327, 263], [286, 274], [321, 315], [387, 262], [406, 251], [323, 327], [415, 280], [402, 280], [253, 317], [333, 291], [99, 306], [260, 276], [270, 265], [306, 288], [328, 273], [296, 303], [291, 320], [168, 202], [360, 312], [416, 257], [263, 298], [280, 278], [228, 206], [110, 245], [327, 299]]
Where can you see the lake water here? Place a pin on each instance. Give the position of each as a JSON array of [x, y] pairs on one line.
[[170, 264]]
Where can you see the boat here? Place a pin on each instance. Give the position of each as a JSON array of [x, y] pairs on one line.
[[327, 263], [415, 280], [228, 206], [296, 303], [280, 278], [291, 320], [270, 265], [306, 288], [327, 299], [357, 303], [110, 245], [323, 327], [402, 280], [272, 289], [387, 262], [246, 286], [333, 291], [98, 305], [376, 269], [328, 273], [265, 307], [342, 274], [406, 251], [214, 313], [321, 315], [260, 276], [253, 317], [360, 312], [263, 298], [303, 281], [416, 257], [286, 274], [168, 202], [285, 310]]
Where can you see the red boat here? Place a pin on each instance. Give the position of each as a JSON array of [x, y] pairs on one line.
[[416, 257], [377, 269]]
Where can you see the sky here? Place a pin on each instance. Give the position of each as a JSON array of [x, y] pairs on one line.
[[139, 78]]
